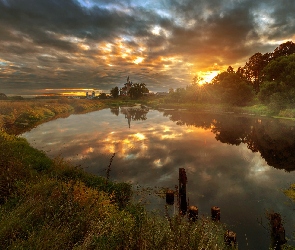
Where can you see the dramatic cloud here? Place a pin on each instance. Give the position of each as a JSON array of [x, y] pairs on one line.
[[96, 44]]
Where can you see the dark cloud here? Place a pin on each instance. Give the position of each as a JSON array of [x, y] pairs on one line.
[[107, 40]]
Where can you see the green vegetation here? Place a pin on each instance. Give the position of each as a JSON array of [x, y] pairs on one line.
[[291, 192], [115, 92], [18, 116], [50, 204], [266, 82]]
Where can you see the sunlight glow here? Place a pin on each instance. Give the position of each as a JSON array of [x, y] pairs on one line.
[[207, 76], [138, 60], [84, 46], [156, 30], [139, 136]]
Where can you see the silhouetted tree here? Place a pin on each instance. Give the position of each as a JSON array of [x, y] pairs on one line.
[[115, 92], [284, 49], [231, 88], [281, 70], [253, 69], [102, 96], [137, 90]]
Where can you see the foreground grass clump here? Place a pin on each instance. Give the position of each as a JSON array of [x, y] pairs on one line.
[[49, 204]]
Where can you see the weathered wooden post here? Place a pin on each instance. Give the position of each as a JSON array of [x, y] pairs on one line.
[[170, 197], [277, 229], [215, 213], [182, 191], [193, 212], [230, 238]]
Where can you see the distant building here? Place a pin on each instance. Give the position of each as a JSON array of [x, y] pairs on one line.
[[127, 86], [92, 96]]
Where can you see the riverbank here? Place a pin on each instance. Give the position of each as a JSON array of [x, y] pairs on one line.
[[50, 204], [253, 109], [18, 116], [21, 115], [30, 180]]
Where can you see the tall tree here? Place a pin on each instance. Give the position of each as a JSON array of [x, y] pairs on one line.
[[253, 68], [284, 49], [137, 90], [231, 88], [115, 92], [281, 70]]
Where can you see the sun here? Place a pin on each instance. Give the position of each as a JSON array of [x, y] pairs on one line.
[[207, 76], [138, 60]]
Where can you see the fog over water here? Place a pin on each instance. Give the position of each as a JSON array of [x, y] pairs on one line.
[[240, 164]]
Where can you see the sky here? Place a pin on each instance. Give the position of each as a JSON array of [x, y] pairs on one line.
[[69, 46]]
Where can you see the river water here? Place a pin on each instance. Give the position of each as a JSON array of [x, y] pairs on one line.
[[238, 163]]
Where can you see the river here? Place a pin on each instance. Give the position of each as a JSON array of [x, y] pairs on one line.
[[238, 163]]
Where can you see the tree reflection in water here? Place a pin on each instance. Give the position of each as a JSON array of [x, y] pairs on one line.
[[273, 138], [131, 113]]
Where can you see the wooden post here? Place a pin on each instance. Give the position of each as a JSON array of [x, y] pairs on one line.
[[182, 191], [170, 197], [278, 231], [215, 213], [230, 238], [193, 212]]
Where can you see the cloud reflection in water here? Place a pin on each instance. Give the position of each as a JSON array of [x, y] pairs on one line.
[[150, 152]]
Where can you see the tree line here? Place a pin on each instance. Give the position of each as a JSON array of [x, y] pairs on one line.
[[133, 90], [268, 78]]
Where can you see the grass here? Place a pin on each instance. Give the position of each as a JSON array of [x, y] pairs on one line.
[[50, 204], [18, 116], [290, 192]]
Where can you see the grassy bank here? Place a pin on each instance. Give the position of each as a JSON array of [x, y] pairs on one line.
[[49, 204], [20, 115], [255, 108]]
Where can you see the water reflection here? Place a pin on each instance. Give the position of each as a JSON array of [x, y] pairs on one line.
[[132, 113], [273, 139], [231, 174]]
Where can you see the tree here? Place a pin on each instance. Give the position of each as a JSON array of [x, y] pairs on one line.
[[278, 87], [137, 90], [230, 69], [102, 96], [281, 70], [115, 92], [231, 88], [284, 49], [253, 69], [268, 89], [196, 80]]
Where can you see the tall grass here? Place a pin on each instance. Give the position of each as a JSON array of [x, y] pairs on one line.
[[17, 116], [49, 204]]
